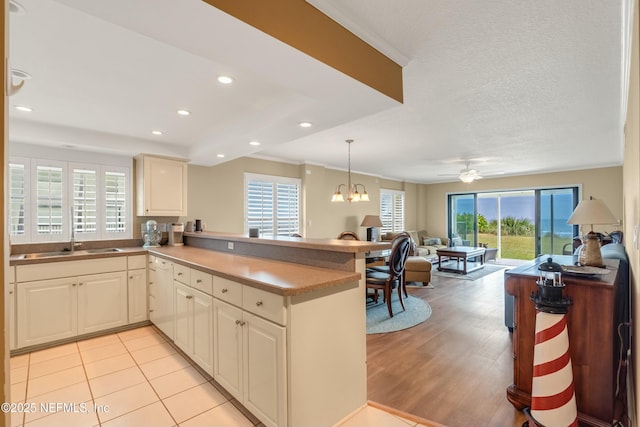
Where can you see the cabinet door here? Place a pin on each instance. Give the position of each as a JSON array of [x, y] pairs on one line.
[[137, 288], [47, 311], [227, 347], [183, 318], [164, 308], [264, 368], [102, 301], [12, 316], [164, 187], [203, 331]]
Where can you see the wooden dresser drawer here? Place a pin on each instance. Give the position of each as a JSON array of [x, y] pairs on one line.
[[202, 281], [181, 273], [227, 290], [264, 304]]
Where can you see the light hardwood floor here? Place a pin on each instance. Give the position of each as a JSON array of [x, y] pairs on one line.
[[454, 368]]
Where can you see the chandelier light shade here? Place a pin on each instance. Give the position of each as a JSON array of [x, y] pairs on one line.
[[590, 212], [352, 193]]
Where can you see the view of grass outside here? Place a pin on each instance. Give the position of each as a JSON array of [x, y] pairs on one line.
[[517, 239]]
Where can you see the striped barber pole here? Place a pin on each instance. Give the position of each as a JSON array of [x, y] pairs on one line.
[[553, 401]]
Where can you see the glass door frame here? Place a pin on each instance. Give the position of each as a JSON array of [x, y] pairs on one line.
[[450, 214]]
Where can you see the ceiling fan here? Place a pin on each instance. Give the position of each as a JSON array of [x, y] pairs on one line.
[[468, 174]]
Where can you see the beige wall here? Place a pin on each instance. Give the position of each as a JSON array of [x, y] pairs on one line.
[[216, 195], [631, 184], [602, 183]]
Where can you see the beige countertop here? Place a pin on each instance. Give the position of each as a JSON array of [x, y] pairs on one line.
[[332, 245], [283, 278], [280, 277]]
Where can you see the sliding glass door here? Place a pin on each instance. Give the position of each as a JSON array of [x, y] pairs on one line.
[[463, 219], [521, 224], [553, 234]]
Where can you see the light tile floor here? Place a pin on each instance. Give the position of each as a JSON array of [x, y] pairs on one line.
[[131, 378]]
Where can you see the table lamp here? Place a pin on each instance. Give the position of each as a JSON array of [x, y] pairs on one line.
[[590, 212], [372, 222]]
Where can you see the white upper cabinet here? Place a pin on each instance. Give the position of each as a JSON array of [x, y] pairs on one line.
[[161, 185]]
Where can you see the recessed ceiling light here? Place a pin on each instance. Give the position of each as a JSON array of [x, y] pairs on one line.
[[19, 74], [156, 132], [305, 124], [184, 112], [24, 108], [220, 155], [225, 80], [254, 143]]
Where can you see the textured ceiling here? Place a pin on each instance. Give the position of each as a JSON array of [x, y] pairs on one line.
[[517, 87]]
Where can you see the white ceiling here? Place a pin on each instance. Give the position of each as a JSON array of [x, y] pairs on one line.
[[518, 87]]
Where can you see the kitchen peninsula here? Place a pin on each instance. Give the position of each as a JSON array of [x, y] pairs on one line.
[[279, 323]]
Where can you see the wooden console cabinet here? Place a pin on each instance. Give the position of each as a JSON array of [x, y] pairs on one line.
[[592, 326]]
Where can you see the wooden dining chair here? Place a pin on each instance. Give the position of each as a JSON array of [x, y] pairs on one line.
[[413, 250], [378, 280]]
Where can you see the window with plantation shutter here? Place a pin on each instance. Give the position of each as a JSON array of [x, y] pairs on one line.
[[17, 199], [85, 201], [272, 204], [115, 203], [392, 211], [49, 197]]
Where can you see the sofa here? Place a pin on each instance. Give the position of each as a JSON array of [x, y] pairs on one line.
[[418, 266], [425, 243]]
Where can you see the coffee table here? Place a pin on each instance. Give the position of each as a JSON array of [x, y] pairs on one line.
[[461, 253]]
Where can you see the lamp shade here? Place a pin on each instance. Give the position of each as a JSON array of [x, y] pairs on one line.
[[371, 221], [591, 212]]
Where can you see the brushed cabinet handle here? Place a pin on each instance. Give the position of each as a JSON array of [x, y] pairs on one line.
[[189, 296], [240, 322], [74, 284], [80, 283], [130, 277], [225, 290], [258, 303], [151, 311], [180, 274], [198, 281]]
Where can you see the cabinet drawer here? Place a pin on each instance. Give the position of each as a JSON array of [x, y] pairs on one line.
[[181, 273], [264, 304], [202, 281], [32, 272], [135, 262], [151, 261], [227, 290], [162, 264]]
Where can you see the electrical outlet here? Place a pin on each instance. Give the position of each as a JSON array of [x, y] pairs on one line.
[[230, 246]]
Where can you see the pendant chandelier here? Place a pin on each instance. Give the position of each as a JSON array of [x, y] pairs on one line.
[[353, 194]]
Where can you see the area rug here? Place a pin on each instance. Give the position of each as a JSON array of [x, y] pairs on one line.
[[379, 322], [474, 275]]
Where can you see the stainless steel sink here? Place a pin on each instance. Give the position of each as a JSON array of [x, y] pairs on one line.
[[47, 254], [100, 251], [38, 255]]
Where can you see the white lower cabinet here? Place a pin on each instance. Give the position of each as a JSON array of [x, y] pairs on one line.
[[12, 309], [53, 309], [250, 361], [194, 325], [102, 302], [137, 287], [162, 307]]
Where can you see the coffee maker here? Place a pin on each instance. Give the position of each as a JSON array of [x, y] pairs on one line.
[[176, 231]]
